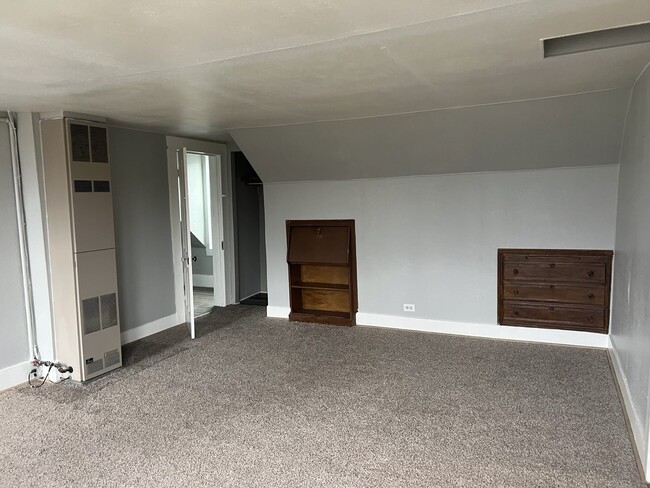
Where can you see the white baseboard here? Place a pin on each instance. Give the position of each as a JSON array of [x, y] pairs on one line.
[[14, 375], [204, 281], [278, 312], [639, 436], [145, 330], [489, 331]]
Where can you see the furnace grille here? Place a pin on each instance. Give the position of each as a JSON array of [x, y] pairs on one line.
[[90, 315], [94, 367], [112, 357], [109, 310]]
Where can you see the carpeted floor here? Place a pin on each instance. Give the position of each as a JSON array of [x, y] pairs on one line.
[[264, 402]]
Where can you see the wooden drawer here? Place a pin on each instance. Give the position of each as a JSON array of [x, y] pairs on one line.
[[509, 257], [554, 272], [315, 244], [561, 293], [554, 316]]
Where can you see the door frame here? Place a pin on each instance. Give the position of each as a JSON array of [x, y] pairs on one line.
[[175, 144]]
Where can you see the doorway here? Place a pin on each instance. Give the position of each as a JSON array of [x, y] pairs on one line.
[[201, 215], [250, 241], [202, 223]]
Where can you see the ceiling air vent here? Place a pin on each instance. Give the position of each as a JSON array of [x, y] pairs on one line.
[[592, 41]]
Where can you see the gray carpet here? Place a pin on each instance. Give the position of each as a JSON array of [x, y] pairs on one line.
[[263, 402]]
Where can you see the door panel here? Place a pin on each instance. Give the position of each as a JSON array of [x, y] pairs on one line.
[[186, 254]]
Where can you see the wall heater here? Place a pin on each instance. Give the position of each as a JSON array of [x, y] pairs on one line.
[[81, 242]]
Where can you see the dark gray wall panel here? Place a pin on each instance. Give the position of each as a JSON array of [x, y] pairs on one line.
[[142, 226]]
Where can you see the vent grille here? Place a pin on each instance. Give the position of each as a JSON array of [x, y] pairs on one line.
[[94, 367], [601, 39], [90, 315], [79, 142], [83, 186], [112, 357], [109, 310], [102, 186]]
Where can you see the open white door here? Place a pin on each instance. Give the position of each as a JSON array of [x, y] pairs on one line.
[[186, 255]]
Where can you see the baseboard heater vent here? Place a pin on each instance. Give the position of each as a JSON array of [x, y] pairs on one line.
[[111, 358], [94, 366]]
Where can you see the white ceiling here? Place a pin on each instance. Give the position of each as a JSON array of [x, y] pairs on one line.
[[202, 67]]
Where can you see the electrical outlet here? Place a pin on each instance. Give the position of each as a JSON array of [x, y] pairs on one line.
[[409, 307]]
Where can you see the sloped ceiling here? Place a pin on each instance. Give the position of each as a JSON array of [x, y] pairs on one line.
[[576, 130], [200, 68]]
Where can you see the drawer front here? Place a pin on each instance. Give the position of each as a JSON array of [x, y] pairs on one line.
[[554, 271], [588, 295], [324, 244], [554, 316], [561, 258]]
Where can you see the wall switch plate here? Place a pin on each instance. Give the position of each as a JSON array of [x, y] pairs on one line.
[[409, 307]]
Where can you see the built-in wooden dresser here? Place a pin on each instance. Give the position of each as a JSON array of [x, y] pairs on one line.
[[555, 288], [321, 255]]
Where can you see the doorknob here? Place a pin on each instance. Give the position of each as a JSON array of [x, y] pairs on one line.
[[194, 258]]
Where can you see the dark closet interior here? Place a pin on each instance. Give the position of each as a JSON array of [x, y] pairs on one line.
[[250, 247]]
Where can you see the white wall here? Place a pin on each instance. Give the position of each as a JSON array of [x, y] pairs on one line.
[[14, 343], [432, 241], [630, 330]]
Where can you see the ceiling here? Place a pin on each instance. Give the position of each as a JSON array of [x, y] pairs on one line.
[[199, 68]]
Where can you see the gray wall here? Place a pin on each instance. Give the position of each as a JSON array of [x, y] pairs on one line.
[[576, 130], [204, 264], [142, 226], [630, 330], [432, 241], [14, 346], [249, 225]]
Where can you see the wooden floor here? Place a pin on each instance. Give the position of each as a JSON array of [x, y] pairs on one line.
[[203, 300]]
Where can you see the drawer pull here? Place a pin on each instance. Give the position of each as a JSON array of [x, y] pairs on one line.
[[552, 265], [591, 296], [515, 292], [552, 287], [515, 271], [516, 312], [591, 274], [590, 318], [552, 309]]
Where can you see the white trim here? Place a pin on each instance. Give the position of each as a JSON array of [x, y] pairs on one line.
[[142, 331], [638, 435], [204, 281], [278, 312], [14, 375], [487, 331], [215, 184], [29, 144], [28, 302], [173, 145]]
